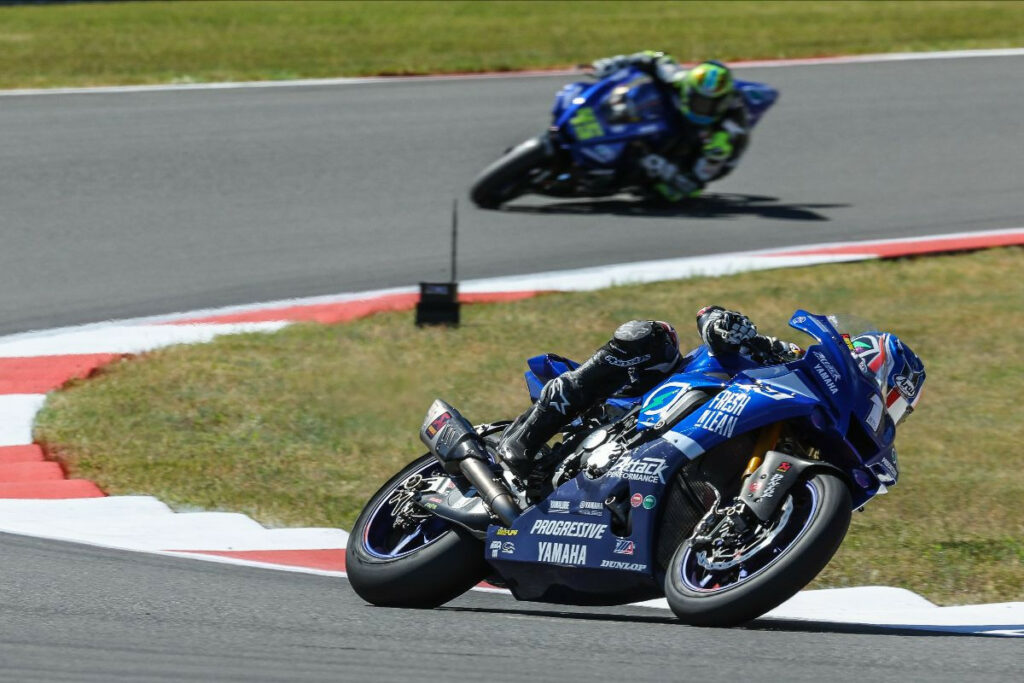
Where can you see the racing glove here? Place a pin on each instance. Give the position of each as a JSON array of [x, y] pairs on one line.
[[724, 331], [718, 147], [658, 64]]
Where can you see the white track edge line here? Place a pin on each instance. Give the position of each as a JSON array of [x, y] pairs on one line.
[[377, 80], [481, 285]]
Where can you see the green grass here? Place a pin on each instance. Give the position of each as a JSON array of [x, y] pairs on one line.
[[300, 426], [124, 43]]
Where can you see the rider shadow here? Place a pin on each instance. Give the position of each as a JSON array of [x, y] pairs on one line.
[[780, 625], [706, 206]]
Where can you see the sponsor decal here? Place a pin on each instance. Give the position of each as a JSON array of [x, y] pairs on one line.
[[828, 365], [629, 566], [754, 486], [438, 422], [624, 547], [562, 553], [558, 527], [874, 416], [800, 320], [507, 532], [764, 390], [650, 470], [505, 547], [906, 386], [663, 401], [558, 400], [773, 483], [783, 466], [723, 413], [558, 506], [650, 502], [626, 363], [636, 500], [589, 507], [849, 342], [826, 378]]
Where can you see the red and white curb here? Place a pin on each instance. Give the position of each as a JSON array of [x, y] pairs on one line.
[[37, 499]]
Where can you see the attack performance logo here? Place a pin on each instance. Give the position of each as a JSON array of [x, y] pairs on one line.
[[650, 470]]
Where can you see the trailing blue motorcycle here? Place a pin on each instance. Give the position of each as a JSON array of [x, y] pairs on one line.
[[598, 131], [725, 493]]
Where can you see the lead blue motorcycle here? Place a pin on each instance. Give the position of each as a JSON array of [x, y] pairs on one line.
[[726, 493], [597, 133]]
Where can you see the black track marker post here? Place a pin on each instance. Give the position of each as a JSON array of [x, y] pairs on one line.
[[439, 301]]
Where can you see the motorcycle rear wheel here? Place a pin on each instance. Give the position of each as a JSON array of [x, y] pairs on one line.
[[801, 546], [508, 177], [423, 567]]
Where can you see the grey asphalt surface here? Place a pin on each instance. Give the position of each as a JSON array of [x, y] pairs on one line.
[[137, 204], [116, 205], [79, 613]]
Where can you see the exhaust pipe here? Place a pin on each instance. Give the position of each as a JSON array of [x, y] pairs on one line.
[[454, 442]]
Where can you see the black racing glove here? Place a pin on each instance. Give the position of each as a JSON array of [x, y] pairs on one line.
[[724, 331]]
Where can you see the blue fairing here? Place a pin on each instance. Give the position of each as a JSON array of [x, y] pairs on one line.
[[590, 124], [563, 548]]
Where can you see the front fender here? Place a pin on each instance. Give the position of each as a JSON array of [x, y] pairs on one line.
[[777, 474]]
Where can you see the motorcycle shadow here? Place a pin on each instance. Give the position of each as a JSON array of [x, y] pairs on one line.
[[613, 614], [706, 206]]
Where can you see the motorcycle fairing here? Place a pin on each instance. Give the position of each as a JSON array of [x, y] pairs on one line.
[[575, 530], [588, 127], [603, 550]]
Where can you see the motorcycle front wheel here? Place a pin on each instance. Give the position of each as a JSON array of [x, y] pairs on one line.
[[732, 583], [425, 564], [509, 176]]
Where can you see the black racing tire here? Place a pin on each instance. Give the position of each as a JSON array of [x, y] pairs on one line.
[[506, 178], [429, 576], [794, 567]]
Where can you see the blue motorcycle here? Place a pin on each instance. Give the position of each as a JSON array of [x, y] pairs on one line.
[[726, 492], [598, 132]]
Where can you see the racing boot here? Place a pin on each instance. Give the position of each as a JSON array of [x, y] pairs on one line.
[[522, 446], [638, 348]]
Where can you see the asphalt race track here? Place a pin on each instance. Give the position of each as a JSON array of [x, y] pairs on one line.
[[115, 205], [119, 205], [81, 613]]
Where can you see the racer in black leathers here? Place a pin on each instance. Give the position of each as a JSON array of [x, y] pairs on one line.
[[712, 117], [640, 354]]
